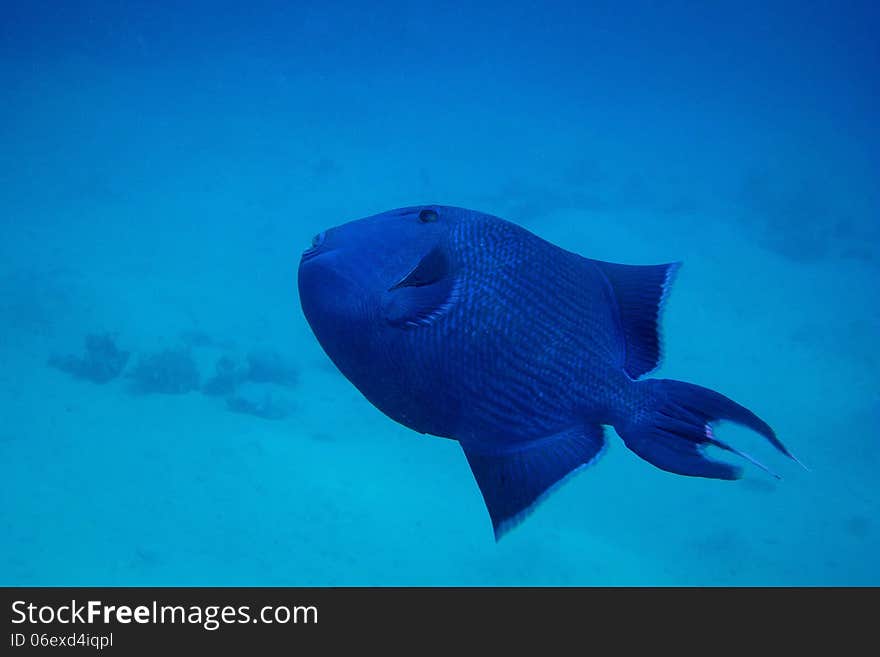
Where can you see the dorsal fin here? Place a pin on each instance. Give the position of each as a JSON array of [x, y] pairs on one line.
[[639, 291]]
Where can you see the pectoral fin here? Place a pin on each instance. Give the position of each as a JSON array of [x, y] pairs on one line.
[[424, 294], [432, 268]]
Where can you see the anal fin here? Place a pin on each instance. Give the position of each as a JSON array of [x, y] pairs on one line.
[[514, 480]]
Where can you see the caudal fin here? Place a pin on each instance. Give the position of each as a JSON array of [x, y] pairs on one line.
[[675, 428]]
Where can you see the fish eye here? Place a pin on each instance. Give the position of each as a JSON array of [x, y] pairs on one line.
[[428, 216]]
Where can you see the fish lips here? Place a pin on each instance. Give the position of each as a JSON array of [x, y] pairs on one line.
[[310, 254]]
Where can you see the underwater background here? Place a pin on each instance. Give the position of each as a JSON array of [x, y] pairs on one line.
[[168, 418]]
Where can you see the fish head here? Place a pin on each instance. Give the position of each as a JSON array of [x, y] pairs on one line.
[[374, 275]]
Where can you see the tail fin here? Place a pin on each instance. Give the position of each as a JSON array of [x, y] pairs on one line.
[[675, 428]]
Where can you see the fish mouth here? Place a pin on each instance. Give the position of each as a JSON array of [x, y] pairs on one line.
[[313, 252], [310, 254], [316, 248]]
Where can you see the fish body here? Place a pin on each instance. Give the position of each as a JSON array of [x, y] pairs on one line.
[[463, 325]]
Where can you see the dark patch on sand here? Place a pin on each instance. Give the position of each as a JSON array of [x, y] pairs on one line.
[[102, 361]]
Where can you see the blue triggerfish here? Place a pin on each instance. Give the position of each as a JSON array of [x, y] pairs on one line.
[[462, 325]]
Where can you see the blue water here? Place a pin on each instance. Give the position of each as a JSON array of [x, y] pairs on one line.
[[162, 166]]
